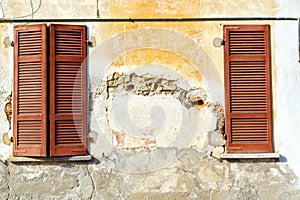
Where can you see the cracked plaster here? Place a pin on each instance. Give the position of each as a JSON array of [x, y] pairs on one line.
[[187, 49]]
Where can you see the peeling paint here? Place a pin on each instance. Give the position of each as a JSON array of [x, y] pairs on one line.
[[168, 158]]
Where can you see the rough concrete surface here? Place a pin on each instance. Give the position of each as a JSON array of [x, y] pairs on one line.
[[193, 175]]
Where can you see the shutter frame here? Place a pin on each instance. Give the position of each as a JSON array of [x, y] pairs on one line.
[[64, 53], [248, 126], [30, 91]]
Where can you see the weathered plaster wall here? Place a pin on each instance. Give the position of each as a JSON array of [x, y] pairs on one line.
[[192, 176], [157, 106], [287, 84], [6, 84]]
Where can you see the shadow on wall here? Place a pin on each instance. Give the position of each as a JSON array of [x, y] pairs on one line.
[[8, 112], [282, 159]]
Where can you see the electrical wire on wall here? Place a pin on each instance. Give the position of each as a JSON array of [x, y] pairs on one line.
[[98, 12], [4, 11], [298, 20], [31, 5]]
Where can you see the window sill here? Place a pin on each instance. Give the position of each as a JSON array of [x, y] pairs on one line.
[[50, 159], [250, 155]]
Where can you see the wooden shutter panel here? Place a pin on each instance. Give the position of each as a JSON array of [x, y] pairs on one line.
[[67, 90], [30, 90], [248, 89]]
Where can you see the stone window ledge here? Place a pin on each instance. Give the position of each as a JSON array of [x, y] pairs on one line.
[[50, 159], [250, 155]]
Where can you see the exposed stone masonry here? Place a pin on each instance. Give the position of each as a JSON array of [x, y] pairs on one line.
[[149, 85], [193, 175]]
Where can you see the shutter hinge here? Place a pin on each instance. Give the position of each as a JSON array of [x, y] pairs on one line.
[[7, 42], [90, 43], [6, 139]]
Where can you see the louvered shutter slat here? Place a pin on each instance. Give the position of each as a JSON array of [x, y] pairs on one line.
[[68, 90], [248, 89], [30, 117]]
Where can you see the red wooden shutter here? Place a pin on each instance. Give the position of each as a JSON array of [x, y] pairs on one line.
[[248, 88], [67, 90], [30, 90]]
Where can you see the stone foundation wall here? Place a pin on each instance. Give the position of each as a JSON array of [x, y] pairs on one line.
[[192, 175]]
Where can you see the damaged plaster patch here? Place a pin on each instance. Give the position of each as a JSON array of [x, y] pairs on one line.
[[152, 113], [216, 137], [219, 112], [142, 101], [150, 85]]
